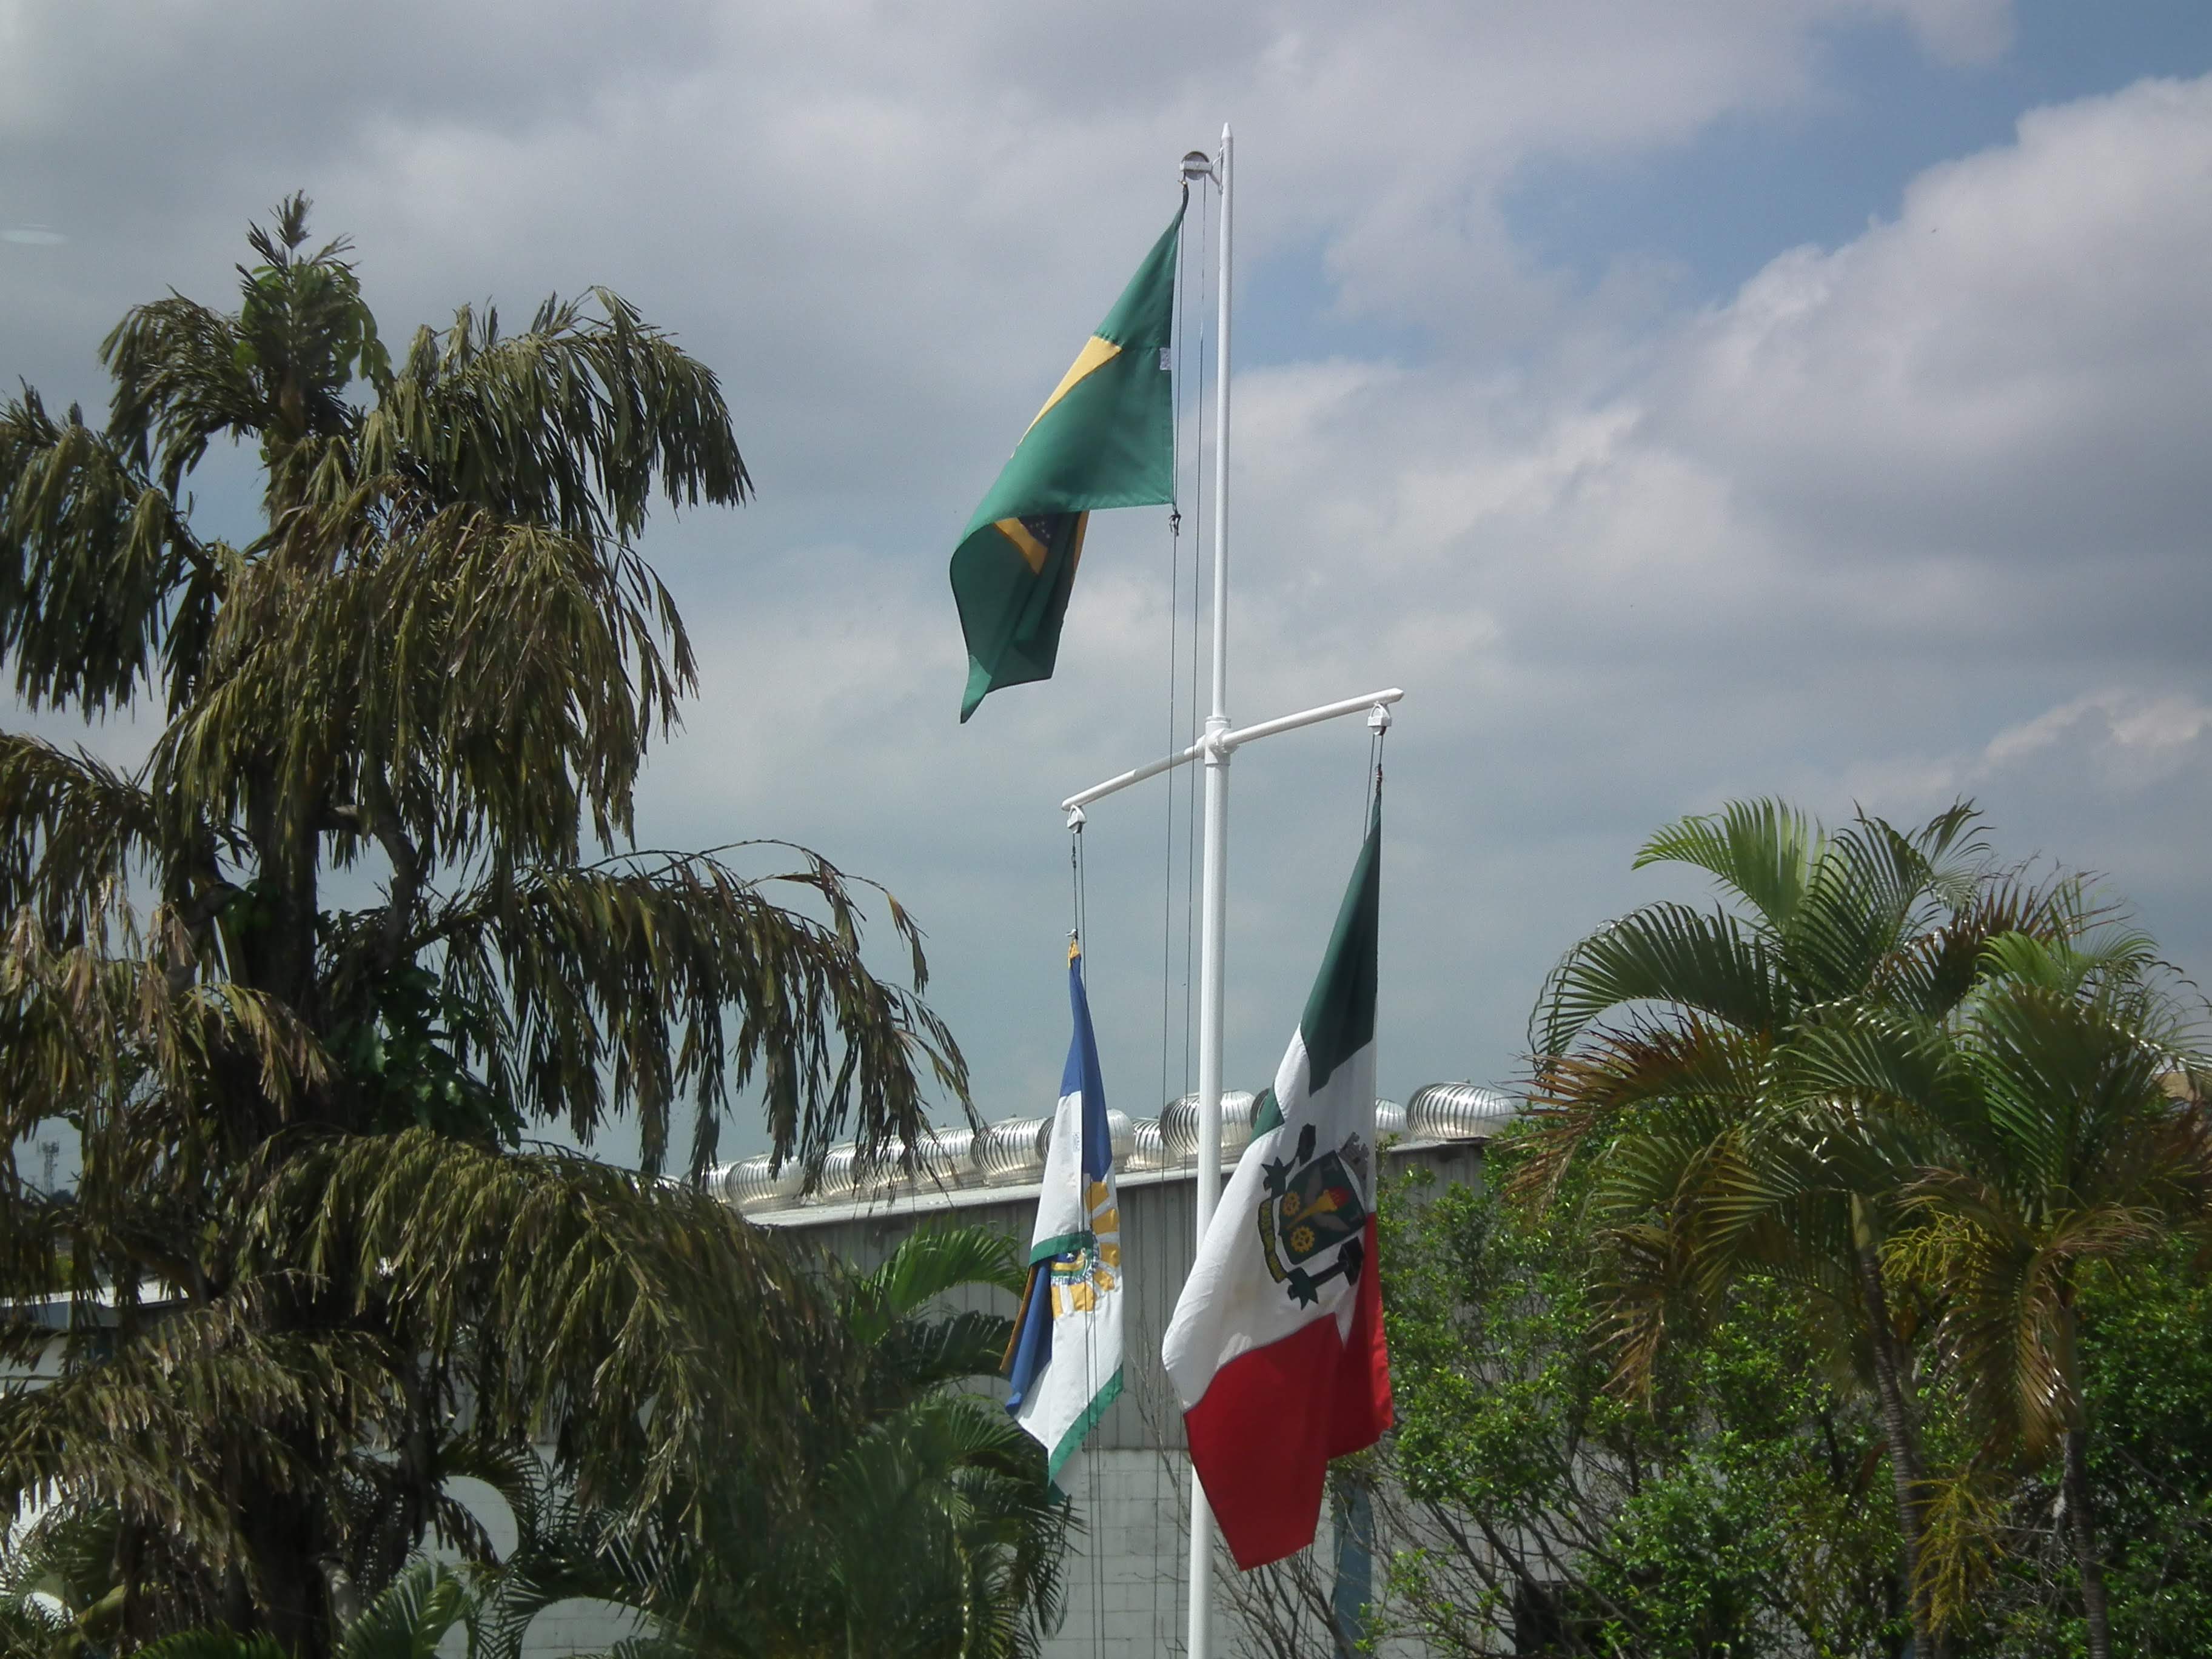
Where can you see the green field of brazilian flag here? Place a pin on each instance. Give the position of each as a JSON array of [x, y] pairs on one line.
[[1105, 438]]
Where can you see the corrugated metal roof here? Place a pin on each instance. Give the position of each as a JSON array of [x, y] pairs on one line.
[[965, 1169]]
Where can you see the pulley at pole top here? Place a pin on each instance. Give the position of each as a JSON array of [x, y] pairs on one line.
[[1197, 165]]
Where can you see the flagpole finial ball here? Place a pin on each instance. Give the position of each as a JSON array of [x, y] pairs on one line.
[[1197, 165]]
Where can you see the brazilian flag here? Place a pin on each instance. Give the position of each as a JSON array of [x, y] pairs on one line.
[[1105, 438]]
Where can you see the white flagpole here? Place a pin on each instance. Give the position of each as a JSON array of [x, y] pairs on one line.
[[1213, 904], [1214, 748]]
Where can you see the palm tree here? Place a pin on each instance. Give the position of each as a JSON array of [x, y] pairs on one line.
[[1681, 1088], [931, 1530], [409, 1619], [58, 1598], [926, 1527], [438, 662], [943, 1470], [2074, 1139]]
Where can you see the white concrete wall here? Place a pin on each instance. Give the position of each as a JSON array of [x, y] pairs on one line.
[[1126, 1578]]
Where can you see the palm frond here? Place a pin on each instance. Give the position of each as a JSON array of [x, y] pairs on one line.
[[948, 1493], [74, 832], [1875, 1087], [340, 690], [97, 1031], [1868, 891], [1962, 1544], [1584, 1101], [928, 1263], [139, 1432], [565, 1548], [605, 1289], [604, 989], [91, 553], [923, 1353], [1662, 953], [410, 1617], [1932, 972], [207, 1644], [567, 423], [1762, 851], [182, 379]]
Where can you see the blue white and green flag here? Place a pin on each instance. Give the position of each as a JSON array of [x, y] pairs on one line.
[[1105, 438], [1064, 1361]]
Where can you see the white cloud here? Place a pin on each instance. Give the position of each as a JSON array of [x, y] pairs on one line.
[[2135, 739], [1896, 496], [2015, 360], [1888, 501]]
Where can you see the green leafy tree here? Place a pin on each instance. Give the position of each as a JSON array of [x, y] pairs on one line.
[[1685, 1073], [1732, 1507], [438, 663], [1736, 1504], [2146, 1355]]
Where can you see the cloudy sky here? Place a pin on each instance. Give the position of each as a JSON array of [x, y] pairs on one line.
[[1681, 400]]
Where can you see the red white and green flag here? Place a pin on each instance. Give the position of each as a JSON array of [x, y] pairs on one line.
[[1276, 1348]]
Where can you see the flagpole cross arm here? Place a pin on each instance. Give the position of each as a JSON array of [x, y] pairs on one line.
[[1375, 701], [1218, 747]]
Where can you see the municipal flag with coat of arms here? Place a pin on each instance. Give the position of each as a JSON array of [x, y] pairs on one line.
[[1276, 1350], [1065, 1359]]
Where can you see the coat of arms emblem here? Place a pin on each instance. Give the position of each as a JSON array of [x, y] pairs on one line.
[[1093, 1267], [1313, 1206]]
